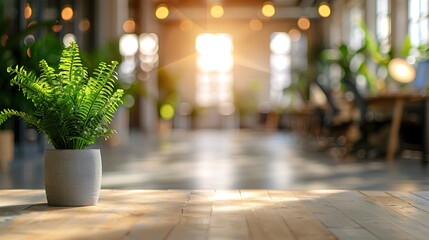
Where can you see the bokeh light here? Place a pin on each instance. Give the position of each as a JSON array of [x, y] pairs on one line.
[[268, 9], [129, 26], [28, 11], [166, 111], [401, 70], [67, 13], [68, 39], [324, 10], [294, 35], [148, 43], [255, 25], [128, 45], [84, 25], [162, 11], [57, 27], [304, 23], [280, 43], [129, 101], [216, 11], [29, 40]]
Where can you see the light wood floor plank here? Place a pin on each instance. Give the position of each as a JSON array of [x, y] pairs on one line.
[[371, 216], [263, 216], [415, 200], [341, 225], [219, 214], [414, 219], [300, 219]]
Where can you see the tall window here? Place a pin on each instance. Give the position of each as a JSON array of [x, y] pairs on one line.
[[288, 60], [356, 34], [214, 69], [280, 64], [383, 24], [418, 21]]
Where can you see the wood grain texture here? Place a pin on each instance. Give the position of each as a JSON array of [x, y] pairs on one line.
[[219, 214]]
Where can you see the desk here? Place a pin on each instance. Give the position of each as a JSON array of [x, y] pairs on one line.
[[209, 214], [398, 100]]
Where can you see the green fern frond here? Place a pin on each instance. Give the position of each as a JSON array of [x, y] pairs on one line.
[[32, 88], [73, 109], [29, 119]]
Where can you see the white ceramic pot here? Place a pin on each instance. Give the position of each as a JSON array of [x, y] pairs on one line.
[[72, 177]]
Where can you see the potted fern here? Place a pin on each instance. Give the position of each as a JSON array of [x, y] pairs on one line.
[[74, 110]]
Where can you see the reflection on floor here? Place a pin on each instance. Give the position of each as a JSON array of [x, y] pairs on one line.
[[211, 159]]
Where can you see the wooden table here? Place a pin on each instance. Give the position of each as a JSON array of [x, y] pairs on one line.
[[209, 214], [398, 101]]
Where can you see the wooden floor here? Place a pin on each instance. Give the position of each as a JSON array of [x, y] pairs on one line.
[[226, 214]]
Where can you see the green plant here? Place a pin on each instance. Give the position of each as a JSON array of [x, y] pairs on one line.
[[71, 107], [29, 46]]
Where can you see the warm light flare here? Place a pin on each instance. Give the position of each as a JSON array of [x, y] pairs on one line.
[[401, 70], [215, 62], [268, 9], [216, 11], [67, 13], [162, 11], [28, 11], [57, 27], [304, 23], [324, 10], [129, 26], [213, 44]]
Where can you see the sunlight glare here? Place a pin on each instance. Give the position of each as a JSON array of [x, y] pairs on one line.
[[215, 52]]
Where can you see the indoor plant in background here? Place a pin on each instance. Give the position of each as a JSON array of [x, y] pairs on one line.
[[74, 110], [20, 46]]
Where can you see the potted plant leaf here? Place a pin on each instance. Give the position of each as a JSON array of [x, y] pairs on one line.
[[74, 110]]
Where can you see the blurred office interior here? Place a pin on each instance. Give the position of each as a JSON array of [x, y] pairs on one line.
[[283, 94]]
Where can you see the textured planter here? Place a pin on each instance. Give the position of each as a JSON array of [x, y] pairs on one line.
[[6, 149], [72, 177]]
